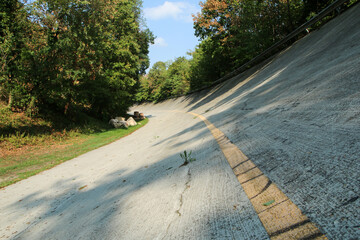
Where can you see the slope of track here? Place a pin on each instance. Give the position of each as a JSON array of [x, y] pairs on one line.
[[297, 117]]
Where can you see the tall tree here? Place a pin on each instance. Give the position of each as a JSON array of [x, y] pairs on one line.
[[241, 29], [14, 32], [91, 55]]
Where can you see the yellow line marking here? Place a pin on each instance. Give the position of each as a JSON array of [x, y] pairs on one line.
[[282, 219]]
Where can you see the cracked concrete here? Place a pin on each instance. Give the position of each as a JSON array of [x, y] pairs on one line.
[[186, 187], [297, 117], [181, 201], [134, 192]]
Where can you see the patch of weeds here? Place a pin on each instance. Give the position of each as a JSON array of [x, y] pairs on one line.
[[187, 158]]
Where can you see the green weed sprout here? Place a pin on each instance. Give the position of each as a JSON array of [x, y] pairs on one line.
[[187, 157]]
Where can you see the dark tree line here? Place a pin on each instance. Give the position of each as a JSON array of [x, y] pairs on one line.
[[72, 56]]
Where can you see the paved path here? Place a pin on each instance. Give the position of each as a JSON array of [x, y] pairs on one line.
[[297, 118]]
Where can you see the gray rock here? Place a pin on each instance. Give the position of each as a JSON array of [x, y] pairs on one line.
[[118, 124], [112, 122], [122, 124]]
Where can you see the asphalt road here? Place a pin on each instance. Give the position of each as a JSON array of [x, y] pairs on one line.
[[297, 117]]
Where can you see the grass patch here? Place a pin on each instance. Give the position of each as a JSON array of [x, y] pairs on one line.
[[28, 152]]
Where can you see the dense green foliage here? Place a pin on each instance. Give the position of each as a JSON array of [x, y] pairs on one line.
[[165, 80], [72, 56], [232, 32], [235, 31], [90, 56]]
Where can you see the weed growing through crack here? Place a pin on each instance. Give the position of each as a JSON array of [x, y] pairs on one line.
[[187, 158]]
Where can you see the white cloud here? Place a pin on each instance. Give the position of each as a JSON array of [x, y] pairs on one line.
[[160, 42], [176, 10]]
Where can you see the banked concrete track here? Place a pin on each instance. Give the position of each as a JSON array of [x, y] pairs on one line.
[[294, 120], [297, 117]]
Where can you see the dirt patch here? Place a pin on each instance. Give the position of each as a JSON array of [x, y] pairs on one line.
[[17, 156]]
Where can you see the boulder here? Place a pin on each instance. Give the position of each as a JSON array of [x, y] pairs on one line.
[[122, 124], [118, 124], [131, 122], [113, 121], [120, 118]]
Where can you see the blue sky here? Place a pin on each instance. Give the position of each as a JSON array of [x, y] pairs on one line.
[[171, 22]]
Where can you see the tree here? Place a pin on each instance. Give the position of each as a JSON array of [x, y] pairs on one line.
[[86, 56], [156, 77], [238, 30], [165, 80], [208, 63], [14, 32], [178, 77]]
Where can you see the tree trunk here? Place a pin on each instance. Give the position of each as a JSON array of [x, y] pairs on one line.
[[11, 100], [291, 24]]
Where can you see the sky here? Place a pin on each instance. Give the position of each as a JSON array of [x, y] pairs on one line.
[[172, 24]]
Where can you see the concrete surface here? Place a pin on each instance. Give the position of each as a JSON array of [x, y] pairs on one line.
[[297, 117], [136, 189]]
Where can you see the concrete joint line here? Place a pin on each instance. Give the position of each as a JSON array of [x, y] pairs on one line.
[[281, 218]]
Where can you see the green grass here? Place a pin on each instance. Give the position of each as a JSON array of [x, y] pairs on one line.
[[40, 155]]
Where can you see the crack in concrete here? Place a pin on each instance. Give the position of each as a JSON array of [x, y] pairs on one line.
[[181, 201], [187, 186]]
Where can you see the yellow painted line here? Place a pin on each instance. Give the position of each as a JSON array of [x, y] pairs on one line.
[[281, 218]]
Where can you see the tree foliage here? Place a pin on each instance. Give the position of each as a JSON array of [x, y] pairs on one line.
[[74, 56], [235, 31], [245, 28], [231, 32], [14, 38], [165, 80], [91, 56]]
